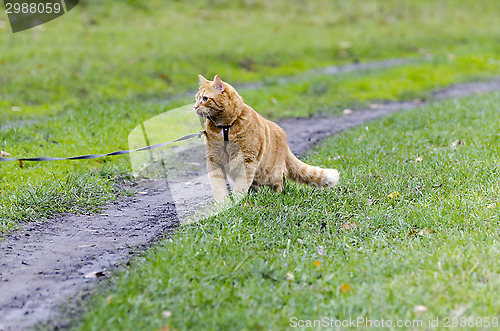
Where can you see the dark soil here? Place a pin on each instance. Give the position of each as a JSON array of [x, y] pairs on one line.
[[44, 264]]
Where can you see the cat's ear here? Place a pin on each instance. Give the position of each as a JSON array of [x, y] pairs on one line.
[[202, 79], [218, 84]]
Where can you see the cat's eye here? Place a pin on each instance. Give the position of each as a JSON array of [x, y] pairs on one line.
[[205, 99]]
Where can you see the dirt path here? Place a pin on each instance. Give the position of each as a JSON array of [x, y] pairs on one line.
[[43, 264]]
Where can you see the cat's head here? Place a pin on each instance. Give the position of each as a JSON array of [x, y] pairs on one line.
[[217, 101]]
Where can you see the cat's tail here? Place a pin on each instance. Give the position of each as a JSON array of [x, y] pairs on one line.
[[303, 173]]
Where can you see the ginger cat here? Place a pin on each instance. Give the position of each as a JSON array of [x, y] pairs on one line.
[[254, 143]]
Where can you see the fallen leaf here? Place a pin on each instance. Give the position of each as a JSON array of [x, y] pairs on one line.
[[4, 154], [166, 314], [413, 233], [426, 232], [348, 226], [345, 288], [348, 112], [420, 309], [164, 328], [163, 77], [94, 274], [108, 299], [321, 250], [394, 195], [455, 144], [317, 264], [419, 159]]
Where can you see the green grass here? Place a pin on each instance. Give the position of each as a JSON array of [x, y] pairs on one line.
[[90, 129], [88, 78], [103, 126], [307, 95], [134, 50], [434, 243]]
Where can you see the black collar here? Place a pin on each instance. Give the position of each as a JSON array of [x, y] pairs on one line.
[[225, 129]]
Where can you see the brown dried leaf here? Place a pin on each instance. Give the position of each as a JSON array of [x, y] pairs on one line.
[[412, 233]]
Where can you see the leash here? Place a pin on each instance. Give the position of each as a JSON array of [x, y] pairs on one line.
[[225, 131], [95, 156]]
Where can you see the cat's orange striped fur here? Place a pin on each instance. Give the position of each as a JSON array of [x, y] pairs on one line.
[[255, 143]]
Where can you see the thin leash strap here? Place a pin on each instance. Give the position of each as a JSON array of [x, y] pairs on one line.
[[225, 131], [95, 156]]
